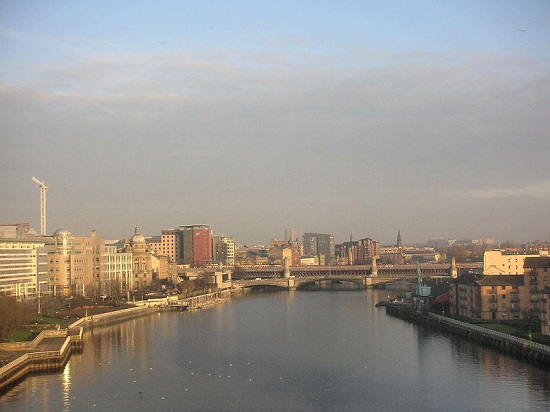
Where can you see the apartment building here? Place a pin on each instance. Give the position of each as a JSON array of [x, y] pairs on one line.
[[489, 297]]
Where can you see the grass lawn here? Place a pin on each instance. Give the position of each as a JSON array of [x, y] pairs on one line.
[[22, 335]]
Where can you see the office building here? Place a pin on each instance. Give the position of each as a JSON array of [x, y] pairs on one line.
[[196, 245], [320, 245]]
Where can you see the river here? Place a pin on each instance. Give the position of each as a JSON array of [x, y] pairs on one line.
[[285, 351]]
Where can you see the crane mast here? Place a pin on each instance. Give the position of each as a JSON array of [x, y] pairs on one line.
[[43, 190]]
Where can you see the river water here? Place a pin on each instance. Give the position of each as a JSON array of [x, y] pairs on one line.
[[285, 351]]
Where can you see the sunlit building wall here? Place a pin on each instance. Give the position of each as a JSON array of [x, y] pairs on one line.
[[197, 245], [118, 279], [23, 269]]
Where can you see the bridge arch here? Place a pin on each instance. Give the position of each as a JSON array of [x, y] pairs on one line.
[[330, 283]]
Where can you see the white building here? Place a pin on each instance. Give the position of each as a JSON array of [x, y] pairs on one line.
[[118, 281], [496, 262], [23, 268]]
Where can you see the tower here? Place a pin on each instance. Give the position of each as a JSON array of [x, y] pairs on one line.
[[399, 241]]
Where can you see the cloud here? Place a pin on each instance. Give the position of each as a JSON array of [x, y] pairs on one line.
[[539, 190], [347, 138]]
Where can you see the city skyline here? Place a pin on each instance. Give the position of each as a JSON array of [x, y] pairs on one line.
[[359, 117]]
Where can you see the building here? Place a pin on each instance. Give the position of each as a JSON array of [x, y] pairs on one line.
[[170, 245], [357, 252], [367, 249], [291, 234], [490, 297], [118, 280], [537, 281], [320, 245], [23, 266], [144, 263], [422, 255], [502, 297], [497, 262], [59, 249], [252, 256], [75, 264], [392, 256], [197, 245], [464, 297], [544, 311], [279, 250], [223, 250]]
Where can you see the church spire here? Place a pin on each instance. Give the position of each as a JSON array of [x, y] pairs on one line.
[[399, 241]]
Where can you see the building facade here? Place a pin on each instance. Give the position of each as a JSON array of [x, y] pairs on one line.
[[537, 281], [497, 262], [223, 250], [197, 245], [320, 245], [170, 245], [23, 269], [118, 281], [489, 297]]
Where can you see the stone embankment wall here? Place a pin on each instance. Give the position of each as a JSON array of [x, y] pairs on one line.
[[521, 348]]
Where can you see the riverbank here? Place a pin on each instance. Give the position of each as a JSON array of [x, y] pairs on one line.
[[517, 347], [51, 349]]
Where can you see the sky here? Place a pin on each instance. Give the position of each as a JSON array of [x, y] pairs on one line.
[[353, 118]]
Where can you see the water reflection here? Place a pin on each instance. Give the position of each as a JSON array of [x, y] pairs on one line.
[[299, 351]]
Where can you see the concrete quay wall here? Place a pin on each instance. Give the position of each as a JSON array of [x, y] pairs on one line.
[[518, 347], [39, 360]]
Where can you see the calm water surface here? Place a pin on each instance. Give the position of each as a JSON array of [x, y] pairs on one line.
[[292, 351]]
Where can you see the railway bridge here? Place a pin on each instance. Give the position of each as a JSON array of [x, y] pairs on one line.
[[362, 275]]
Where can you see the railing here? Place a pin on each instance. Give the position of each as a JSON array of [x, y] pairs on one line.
[[492, 333]]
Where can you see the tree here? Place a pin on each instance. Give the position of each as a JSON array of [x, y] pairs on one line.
[[13, 315]]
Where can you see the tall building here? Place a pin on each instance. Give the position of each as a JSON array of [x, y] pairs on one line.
[[320, 245], [291, 234], [223, 250], [197, 245], [367, 249], [170, 244], [357, 252], [119, 274]]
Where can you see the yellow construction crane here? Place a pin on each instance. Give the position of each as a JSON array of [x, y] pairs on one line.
[[43, 190]]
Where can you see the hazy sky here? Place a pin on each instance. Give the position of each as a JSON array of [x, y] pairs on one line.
[[330, 116]]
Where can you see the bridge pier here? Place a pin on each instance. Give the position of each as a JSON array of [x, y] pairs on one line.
[[291, 283]]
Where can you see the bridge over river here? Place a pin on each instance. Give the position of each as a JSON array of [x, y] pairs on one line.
[[299, 276]]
